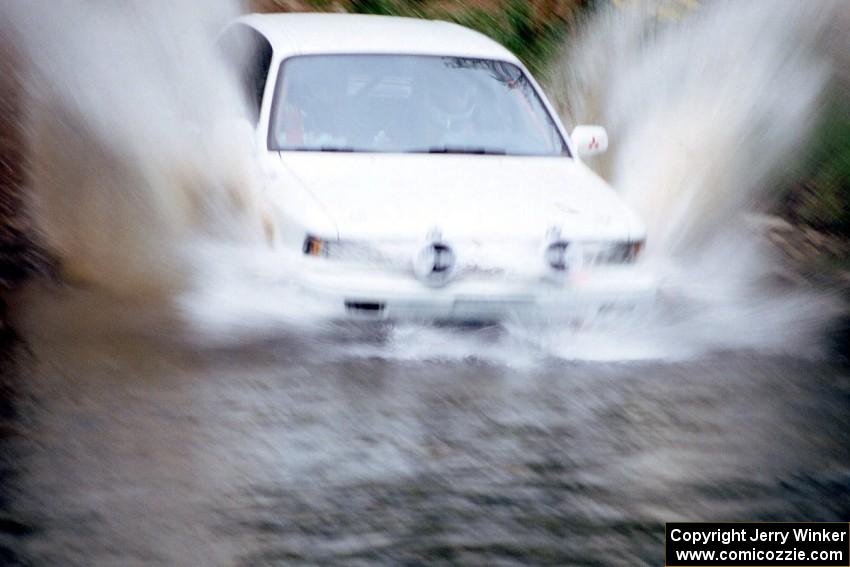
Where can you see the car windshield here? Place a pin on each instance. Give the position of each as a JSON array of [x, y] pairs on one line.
[[409, 103]]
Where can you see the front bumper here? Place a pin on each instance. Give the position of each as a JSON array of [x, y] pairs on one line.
[[363, 294]]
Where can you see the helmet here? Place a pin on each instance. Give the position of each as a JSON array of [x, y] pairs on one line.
[[448, 100]]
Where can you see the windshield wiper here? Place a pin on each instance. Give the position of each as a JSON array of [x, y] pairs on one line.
[[478, 150], [322, 149]]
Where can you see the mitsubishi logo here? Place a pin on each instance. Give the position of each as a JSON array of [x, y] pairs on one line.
[[593, 145]]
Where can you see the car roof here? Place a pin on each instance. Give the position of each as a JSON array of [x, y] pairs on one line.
[[291, 34]]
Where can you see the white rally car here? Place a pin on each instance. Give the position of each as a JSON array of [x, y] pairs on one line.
[[418, 171]]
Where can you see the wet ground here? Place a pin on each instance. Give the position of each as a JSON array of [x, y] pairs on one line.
[[126, 452]]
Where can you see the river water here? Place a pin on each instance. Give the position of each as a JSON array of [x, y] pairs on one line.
[[143, 451]]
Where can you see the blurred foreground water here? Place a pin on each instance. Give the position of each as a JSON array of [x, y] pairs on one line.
[[144, 452]]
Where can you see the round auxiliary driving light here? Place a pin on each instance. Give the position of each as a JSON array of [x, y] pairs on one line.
[[434, 264], [563, 256]]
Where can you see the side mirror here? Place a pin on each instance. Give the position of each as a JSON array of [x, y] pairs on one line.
[[589, 140]]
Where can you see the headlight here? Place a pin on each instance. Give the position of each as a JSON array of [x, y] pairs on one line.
[[614, 253], [341, 250], [387, 255], [565, 256], [315, 246]]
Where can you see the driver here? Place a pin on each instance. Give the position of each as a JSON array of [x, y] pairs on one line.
[[325, 109], [450, 104], [314, 112]]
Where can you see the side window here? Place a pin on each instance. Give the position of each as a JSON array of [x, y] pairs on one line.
[[249, 54]]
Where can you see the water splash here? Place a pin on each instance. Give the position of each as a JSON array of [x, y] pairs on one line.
[[142, 190], [706, 104], [141, 177], [130, 159], [706, 109]]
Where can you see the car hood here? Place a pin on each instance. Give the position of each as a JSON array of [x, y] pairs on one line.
[[404, 196]]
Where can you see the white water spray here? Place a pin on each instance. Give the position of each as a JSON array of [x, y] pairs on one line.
[[705, 111], [127, 162], [137, 193], [706, 104], [138, 180]]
